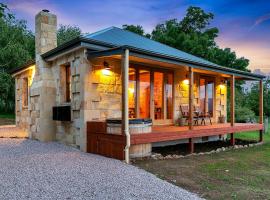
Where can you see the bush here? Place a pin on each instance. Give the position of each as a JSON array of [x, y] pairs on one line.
[[244, 114]]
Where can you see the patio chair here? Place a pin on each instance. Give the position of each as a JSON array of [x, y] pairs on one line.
[[202, 115], [185, 114]]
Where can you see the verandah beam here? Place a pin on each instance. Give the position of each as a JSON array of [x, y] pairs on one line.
[[191, 97], [232, 139], [261, 109], [125, 121], [191, 145], [232, 99]]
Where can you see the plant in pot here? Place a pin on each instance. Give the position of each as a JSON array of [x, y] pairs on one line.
[[181, 120], [221, 119]]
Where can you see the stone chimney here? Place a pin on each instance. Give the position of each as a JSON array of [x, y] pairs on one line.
[[43, 88], [46, 28]]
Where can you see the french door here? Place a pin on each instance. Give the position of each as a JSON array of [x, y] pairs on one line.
[[151, 94], [206, 95]]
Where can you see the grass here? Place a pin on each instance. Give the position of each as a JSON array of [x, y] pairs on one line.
[[7, 119], [234, 174], [7, 116]]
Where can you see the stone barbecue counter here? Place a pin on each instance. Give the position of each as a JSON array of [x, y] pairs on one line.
[[136, 126]]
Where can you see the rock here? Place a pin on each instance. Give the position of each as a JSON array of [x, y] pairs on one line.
[[168, 157], [223, 149]]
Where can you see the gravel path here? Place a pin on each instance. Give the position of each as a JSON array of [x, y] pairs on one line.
[[34, 170]]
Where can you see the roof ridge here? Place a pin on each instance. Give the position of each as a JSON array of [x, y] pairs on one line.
[[98, 32]]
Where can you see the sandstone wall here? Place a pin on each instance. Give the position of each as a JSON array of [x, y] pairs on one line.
[[181, 94], [71, 133], [22, 110]]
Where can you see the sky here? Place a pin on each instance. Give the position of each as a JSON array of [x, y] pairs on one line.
[[244, 24]]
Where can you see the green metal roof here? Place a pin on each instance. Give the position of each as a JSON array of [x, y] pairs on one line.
[[120, 37], [114, 39]]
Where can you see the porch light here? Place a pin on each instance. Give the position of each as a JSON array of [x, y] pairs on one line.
[[222, 84], [107, 69], [131, 90], [186, 81], [106, 72], [106, 65]]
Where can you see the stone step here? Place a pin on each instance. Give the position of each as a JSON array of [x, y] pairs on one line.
[[10, 131]]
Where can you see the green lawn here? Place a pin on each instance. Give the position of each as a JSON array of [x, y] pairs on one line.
[[234, 174], [7, 119], [7, 116]]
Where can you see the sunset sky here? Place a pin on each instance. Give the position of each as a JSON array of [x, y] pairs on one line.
[[244, 24]]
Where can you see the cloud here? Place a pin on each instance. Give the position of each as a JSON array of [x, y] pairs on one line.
[[261, 20]]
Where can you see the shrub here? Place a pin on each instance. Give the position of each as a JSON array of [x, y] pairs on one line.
[[244, 114]]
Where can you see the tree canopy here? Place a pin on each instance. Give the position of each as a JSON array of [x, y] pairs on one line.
[[66, 33], [17, 46], [194, 35]]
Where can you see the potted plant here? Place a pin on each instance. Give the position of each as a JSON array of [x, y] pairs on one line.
[[221, 119], [181, 120]]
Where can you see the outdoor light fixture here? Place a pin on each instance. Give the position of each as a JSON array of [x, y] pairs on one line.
[[106, 65], [107, 69], [186, 81], [222, 84]]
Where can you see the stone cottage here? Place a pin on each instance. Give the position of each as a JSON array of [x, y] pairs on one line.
[[69, 92]]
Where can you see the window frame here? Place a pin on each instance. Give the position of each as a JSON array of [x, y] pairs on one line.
[[25, 92]]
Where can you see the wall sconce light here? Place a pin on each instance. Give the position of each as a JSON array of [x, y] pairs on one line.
[[222, 84], [131, 90], [107, 69], [106, 65], [186, 81]]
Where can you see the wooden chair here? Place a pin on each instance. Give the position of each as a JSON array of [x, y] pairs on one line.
[[185, 114], [202, 115]]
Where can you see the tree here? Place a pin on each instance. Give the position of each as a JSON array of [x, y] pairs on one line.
[[136, 29], [17, 46], [66, 33]]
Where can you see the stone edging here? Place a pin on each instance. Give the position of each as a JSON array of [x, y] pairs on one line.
[[158, 156]]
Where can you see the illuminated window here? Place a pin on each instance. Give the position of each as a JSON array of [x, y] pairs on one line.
[[206, 95], [144, 84], [68, 83], [132, 93], [25, 92]]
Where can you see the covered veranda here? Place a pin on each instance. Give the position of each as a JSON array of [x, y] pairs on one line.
[[169, 132]]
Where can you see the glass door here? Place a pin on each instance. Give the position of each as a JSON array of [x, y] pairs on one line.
[[158, 95], [150, 94], [144, 94], [207, 95]]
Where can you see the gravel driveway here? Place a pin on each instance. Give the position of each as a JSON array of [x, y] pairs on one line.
[[34, 170]]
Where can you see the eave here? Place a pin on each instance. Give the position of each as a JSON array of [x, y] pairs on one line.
[[174, 60]]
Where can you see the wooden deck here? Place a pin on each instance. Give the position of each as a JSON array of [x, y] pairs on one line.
[[170, 133], [112, 145]]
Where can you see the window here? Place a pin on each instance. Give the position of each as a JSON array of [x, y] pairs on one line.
[[68, 83], [206, 95], [25, 92], [132, 93], [144, 85], [150, 93]]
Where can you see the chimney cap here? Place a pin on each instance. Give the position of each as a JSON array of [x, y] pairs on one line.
[[45, 10]]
